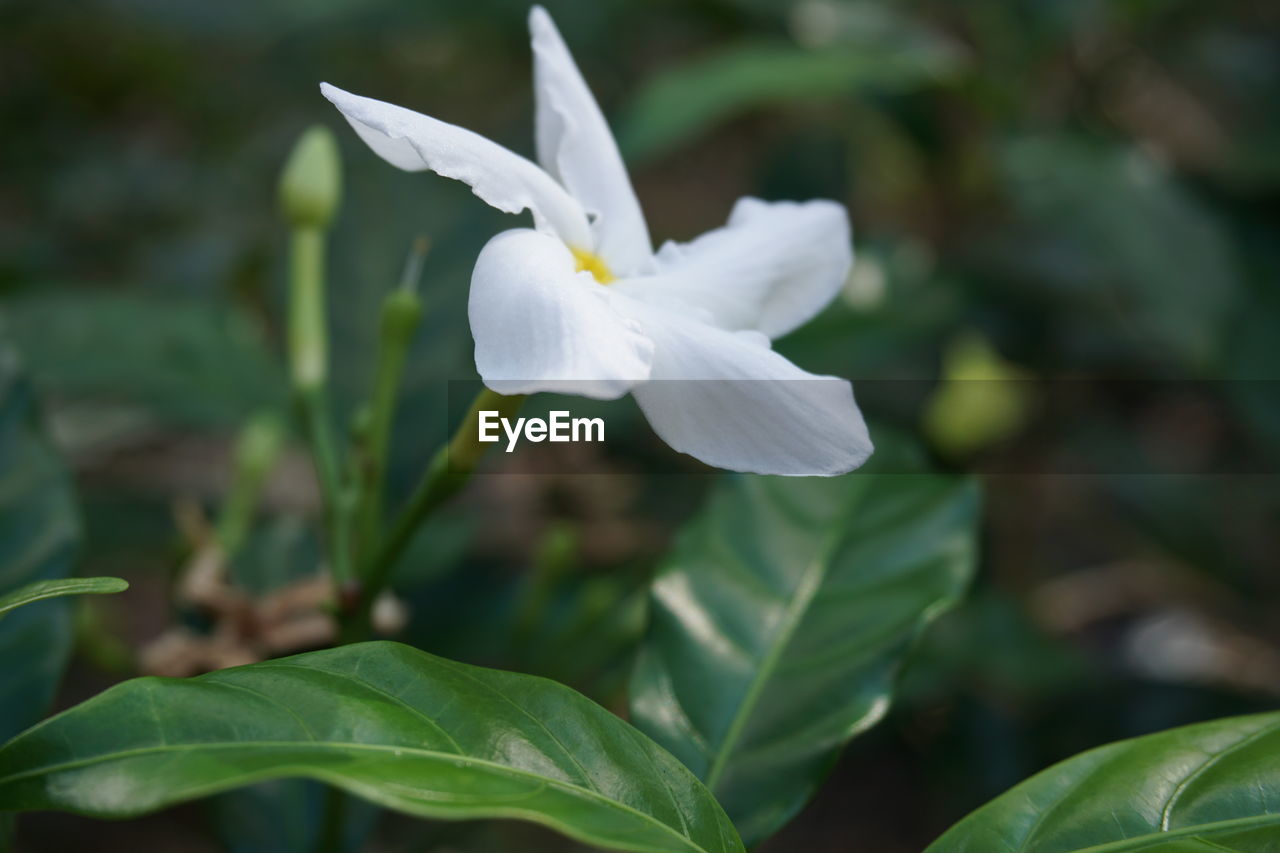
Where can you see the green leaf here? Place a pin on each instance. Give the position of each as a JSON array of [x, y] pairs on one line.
[[199, 363], [688, 100], [384, 721], [1092, 210], [1198, 789], [781, 619], [40, 590], [39, 531]]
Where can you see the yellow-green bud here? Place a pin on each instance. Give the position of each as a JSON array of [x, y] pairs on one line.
[[311, 184], [981, 400], [257, 449], [259, 444]]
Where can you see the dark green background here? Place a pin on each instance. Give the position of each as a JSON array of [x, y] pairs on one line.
[[1093, 186]]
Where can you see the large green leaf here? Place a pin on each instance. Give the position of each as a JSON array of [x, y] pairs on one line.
[[1203, 788], [780, 621], [43, 590], [394, 725], [39, 530]]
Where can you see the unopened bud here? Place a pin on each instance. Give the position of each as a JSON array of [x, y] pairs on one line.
[[311, 184], [259, 445], [981, 400], [401, 314], [257, 449]]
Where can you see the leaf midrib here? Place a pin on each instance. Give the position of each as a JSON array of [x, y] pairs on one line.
[[1114, 753], [1123, 844], [446, 757], [805, 592]]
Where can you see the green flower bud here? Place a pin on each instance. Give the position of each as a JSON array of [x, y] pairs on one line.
[[401, 314], [259, 445], [257, 450], [982, 399], [311, 184]]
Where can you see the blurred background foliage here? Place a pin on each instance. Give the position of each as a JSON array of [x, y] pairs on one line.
[[1051, 189]]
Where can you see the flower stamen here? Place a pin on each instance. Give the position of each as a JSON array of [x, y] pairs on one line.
[[592, 263]]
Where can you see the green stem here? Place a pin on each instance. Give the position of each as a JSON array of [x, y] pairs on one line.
[[308, 361], [448, 472], [308, 347], [401, 315], [337, 503]]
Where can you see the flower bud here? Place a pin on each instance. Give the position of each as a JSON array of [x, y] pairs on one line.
[[981, 401], [257, 449], [401, 314], [311, 184], [259, 445]]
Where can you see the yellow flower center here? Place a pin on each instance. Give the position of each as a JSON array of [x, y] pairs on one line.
[[592, 263]]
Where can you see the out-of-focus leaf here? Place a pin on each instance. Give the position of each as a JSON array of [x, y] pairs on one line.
[[41, 590], [1253, 355], [285, 816], [280, 551], [436, 550], [39, 531], [384, 721], [683, 102], [184, 360], [780, 622], [1208, 787], [1116, 233]]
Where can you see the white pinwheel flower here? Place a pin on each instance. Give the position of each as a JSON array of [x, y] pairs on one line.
[[581, 304]]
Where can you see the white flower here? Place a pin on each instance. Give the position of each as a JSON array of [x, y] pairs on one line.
[[582, 305]]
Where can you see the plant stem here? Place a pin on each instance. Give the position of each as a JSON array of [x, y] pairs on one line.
[[337, 502], [308, 324], [448, 472], [308, 362], [401, 316], [310, 188]]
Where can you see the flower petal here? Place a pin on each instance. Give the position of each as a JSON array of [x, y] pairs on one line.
[[541, 326], [575, 146], [500, 177], [771, 268], [727, 399]]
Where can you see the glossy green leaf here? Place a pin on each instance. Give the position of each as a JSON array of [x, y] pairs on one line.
[[780, 622], [384, 721], [1197, 789], [41, 590], [39, 530], [688, 100]]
